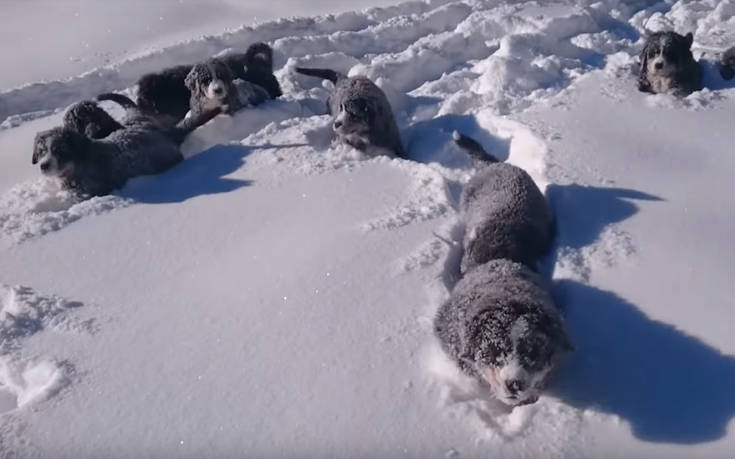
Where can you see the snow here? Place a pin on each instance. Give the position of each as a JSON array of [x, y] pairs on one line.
[[273, 295]]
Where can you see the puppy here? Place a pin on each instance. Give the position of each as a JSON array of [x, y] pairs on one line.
[[667, 65], [212, 84], [165, 96], [506, 214], [88, 119], [362, 115], [501, 325], [95, 167], [727, 64]]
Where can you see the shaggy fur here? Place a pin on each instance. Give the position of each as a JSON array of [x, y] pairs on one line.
[[667, 65], [212, 84], [506, 214], [97, 166], [501, 326], [727, 64], [362, 115], [88, 119], [165, 96]]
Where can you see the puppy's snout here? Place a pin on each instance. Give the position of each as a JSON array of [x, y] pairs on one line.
[[658, 65], [218, 90], [514, 386], [45, 166], [337, 124]]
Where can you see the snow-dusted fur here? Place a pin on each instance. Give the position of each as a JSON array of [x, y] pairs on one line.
[[506, 214], [668, 66], [362, 115], [727, 64], [500, 325], [212, 84], [89, 119], [98, 166]]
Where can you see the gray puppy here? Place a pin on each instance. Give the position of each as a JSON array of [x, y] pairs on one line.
[[506, 214], [363, 117], [212, 84], [501, 326], [97, 166], [668, 66]]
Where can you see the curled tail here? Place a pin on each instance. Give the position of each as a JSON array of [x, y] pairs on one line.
[[473, 148], [727, 64], [124, 101], [185, 127], [325, 74]]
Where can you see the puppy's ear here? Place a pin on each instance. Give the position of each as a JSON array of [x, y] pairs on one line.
[[36, 150], [643, 84], [191, 79], [689, 39]]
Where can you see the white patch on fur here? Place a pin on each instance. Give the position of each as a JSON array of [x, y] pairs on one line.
[[211, 91]]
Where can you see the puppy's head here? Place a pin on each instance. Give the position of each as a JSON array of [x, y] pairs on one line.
[[211, 80], [666, 53], [57, 150], [515, 349], [355, 117]]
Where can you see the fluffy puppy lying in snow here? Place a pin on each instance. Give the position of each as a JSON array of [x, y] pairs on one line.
[[212, 84], [363, 118], [501, 326], [506, 214], [164, 95], [667, 65], [97, 166]]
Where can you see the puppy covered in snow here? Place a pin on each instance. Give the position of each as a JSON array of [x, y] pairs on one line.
[[212, 84], [668, 66], [97, 166], [506, 214], [500, 325], [362, 115], [165, 95]]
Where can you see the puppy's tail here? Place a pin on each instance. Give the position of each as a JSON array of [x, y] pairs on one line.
[[185, 127], [473, 148], [259, 55], [124, 101], [727, 64], [325, 74]]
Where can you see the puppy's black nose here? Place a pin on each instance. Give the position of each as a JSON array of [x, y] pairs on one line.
[[218, 91], [45, 166], [514, 386], [658, 65], [337, 124]]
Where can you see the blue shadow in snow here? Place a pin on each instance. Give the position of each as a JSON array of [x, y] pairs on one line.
[[670, 387]]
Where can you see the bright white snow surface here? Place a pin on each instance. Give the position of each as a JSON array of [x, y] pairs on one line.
[[273, 295]]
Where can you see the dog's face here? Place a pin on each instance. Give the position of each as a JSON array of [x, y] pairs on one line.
[[665, 53], [57, 150], [211, 81], [516, 359], [355, 119]]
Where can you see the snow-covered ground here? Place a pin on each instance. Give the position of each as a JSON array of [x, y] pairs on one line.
[[273, 295]]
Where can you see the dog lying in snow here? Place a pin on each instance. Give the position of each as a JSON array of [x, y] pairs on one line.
[[212, 84], [165, 95], [95, 167], [668, 66], [506, 214], [727, 64], [362, 115], [501, 325]]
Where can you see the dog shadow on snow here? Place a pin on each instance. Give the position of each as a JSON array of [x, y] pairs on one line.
[[670, 387], [202, 174]]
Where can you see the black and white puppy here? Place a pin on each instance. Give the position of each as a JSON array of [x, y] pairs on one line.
[[362, 115], [506, 214], [165, 95], [88, 119], [212, 84], [95, 167], [668, 66], [727, 64], [501, 325]]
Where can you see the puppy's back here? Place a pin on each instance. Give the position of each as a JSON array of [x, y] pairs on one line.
[[164, 93], [507, 216]]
